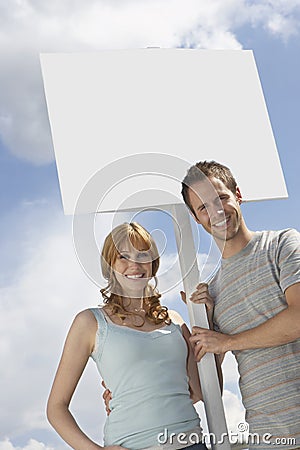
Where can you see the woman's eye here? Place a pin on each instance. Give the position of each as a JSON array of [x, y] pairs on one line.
[[144, 257]]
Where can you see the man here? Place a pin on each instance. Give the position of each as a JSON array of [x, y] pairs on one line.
[[256, 292]]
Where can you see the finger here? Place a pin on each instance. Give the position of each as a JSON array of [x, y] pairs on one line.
[[202, 287], [203, 299], [195, 340], [106, 393], [199, 354], [196, 329], [183, 296], [208, 304], [106, 396], [107, 400], [103, 384], [201, 296], [198, 338], [199, 350]]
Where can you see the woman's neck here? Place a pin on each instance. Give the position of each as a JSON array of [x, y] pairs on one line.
[[134, 304]]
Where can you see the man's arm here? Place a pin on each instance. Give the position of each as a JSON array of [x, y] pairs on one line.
[[280, 329]]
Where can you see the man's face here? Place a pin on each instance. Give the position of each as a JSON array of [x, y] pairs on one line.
[[216, 208]]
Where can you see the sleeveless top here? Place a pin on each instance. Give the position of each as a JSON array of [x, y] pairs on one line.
[[146, 373]]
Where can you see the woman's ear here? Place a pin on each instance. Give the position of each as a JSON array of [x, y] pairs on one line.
[[112, 278]]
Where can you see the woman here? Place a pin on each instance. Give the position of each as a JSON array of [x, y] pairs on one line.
[[141, 351]]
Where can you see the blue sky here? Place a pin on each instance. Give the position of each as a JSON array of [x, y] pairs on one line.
[[41, 283]]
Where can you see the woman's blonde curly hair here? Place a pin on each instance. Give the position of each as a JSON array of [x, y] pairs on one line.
[[141, 240]]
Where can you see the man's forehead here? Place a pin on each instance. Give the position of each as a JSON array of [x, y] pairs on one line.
[[207, 188]]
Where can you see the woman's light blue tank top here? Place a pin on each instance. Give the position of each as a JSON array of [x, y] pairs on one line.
[[146, 373]]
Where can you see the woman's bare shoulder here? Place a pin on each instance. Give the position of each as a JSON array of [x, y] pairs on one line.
[[176, 317], [85, 318]]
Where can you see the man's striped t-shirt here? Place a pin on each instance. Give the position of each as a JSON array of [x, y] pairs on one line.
[[249, 289]]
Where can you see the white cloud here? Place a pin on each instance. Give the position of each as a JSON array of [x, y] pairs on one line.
[[169, 274], [280, 17], [234, 413], [28, 28], [24, 125], [234, 410], [31, 445], [36, 310], [230, 370]]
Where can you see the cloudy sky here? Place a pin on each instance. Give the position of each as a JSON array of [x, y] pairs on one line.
[[42, 284]]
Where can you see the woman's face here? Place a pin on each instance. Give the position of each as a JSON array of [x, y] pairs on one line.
[[133, 269]]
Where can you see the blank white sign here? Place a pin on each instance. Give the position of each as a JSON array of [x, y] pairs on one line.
[[126, 125]]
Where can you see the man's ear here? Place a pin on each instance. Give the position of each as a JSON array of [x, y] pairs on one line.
[[238, 195], [193, 215]]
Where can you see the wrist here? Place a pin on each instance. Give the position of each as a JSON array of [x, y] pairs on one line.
[[237, 342], [231, 343]]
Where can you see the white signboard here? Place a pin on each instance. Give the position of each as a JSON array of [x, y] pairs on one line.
[[174, 106]]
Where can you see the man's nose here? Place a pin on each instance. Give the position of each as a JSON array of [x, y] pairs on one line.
[[216, 211]]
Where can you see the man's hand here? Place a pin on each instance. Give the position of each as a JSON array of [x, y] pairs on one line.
[[106, 397], [201, 295], [208, 341]]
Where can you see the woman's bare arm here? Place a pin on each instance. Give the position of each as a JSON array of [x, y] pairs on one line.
[[191, 365], [77, 349]]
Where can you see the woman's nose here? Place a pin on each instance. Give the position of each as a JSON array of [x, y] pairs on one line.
[[133, 262]]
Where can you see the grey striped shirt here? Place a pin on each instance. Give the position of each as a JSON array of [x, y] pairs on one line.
[[249, 289]]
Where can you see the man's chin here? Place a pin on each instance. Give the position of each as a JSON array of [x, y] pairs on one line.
[[220, 236]]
